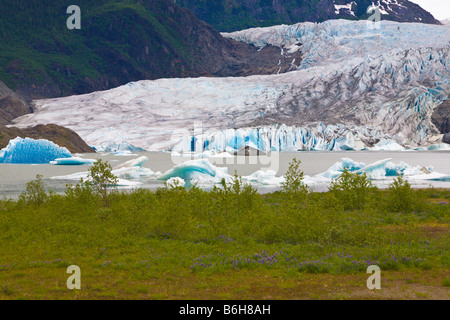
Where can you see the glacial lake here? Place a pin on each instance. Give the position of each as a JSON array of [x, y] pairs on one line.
[[13, 177]]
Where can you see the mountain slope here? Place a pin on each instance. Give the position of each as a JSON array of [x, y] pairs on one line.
[[119, 41], [227, 15]]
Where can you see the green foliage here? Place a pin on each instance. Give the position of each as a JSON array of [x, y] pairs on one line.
[[37, 47], [82, 192], [35, 193], [401, 197], [102, 180], [175, 230], [446, 282], [352, 190], [294, 179]]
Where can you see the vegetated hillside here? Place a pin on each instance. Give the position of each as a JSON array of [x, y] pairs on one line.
[[119, 41], [233, 15]]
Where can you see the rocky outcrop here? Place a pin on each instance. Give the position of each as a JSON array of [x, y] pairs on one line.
[[61, 136], [441, 117], [446, 138], [12, 105]]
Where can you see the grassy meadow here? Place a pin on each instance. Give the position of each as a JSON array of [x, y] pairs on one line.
[[228, 243]]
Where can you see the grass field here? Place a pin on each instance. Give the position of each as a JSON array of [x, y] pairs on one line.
[[229, 243]]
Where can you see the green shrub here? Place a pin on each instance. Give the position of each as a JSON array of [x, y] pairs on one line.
[[401, 197], [82, 192], [101, 180], [352, 190], [446, 282], [293, 183], [35, 192]]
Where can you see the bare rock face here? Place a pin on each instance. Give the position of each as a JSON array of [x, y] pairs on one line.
[[441, 117], [61, 136], [12, 105], [446, 138]]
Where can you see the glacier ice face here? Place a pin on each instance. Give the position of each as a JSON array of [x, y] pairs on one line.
[[31, 151], [360, 85], [287, 139]]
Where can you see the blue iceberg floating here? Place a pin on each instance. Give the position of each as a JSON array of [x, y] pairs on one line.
[[72, 161], [31, 151], [196, 170]]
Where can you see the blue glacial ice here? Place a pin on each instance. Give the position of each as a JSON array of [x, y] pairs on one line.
[[31, 151], [286, 139], [382, 169], [197, 170], [204, 173], [72, 161]]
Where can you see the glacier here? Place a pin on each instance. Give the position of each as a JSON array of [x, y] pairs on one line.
[[356, 89], [31, 151], [336, 40]]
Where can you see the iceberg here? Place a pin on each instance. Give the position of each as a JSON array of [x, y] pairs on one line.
[[138, 162], [388, 145], [197, 170], [119, 148], [72, 161], [262, 177], [31, 151], [379, 170]]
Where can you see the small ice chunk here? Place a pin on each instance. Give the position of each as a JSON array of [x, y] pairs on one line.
[[72, 161]]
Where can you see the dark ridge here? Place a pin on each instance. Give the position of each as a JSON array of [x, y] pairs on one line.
[[61, 136]]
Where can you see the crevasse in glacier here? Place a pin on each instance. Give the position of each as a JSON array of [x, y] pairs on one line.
[[31, 151]]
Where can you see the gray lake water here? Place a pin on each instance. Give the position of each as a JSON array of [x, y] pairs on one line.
[[13, 177]]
